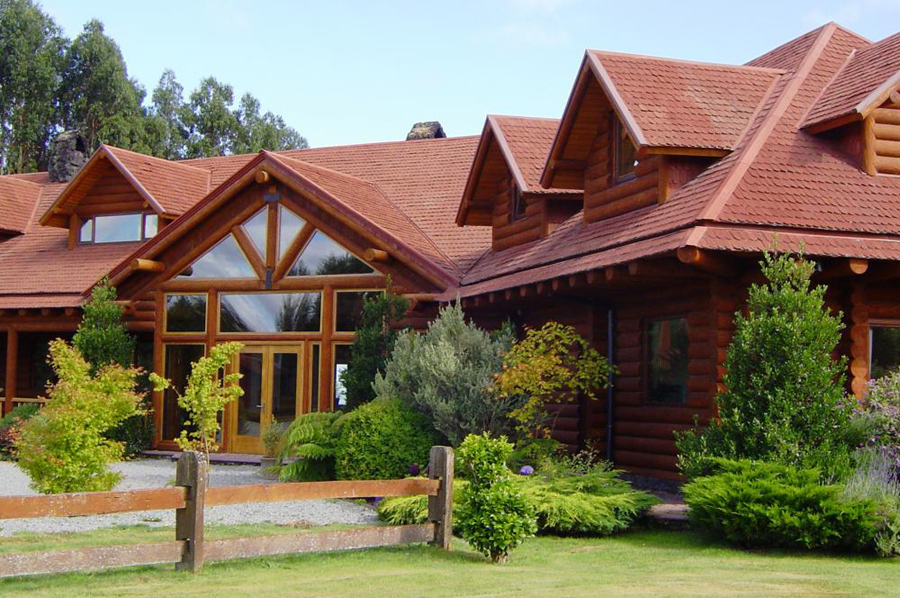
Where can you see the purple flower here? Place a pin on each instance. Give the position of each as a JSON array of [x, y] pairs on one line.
[[414, 469], [526, 470]]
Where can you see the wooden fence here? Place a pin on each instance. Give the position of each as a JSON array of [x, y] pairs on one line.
[[189, 550]]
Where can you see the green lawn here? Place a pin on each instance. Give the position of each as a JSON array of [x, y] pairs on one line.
[[642, 563]]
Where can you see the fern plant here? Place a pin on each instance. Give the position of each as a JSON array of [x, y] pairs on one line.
[[308, 447]]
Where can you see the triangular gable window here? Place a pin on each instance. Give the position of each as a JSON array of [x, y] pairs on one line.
[[224, 260], [289, 226], [257, 229], [322, 256]]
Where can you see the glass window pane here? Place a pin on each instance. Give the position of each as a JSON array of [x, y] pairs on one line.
[[86, 235], [250, 403], [626, 153], [341, 361], [288, 228], [178, 360], [151, 225], [257, 228], [225, 260], [885, 350], [316, 360], [114, 229], [185, 313], [270, 312], [285, 367], [349, 308], [323, 256], [667, 341]]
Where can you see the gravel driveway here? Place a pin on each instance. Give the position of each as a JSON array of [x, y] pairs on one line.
[[156, 473]]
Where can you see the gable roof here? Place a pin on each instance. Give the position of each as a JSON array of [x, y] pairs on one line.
[[864, 82], [167, 187], [18, 198]]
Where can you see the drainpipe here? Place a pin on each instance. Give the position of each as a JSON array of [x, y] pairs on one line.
[[610, 393]]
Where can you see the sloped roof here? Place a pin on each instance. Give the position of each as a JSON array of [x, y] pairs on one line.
[[682, 104], [18, 198], [866, 79]]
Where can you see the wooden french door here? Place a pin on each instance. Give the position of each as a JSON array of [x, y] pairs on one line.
[[272, 384]]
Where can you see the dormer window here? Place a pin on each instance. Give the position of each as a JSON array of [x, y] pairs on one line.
[[118, 228], [626, 153], [517, 204]]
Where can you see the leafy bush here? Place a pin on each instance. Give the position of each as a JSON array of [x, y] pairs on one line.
[[209, 388], [784, 400], [447, 373], [881, 410], [380, 440], [375, 336], [308, 447], [494, 516], [63, 448], [135, 433], [767, 504], [552, 364], [10, 425], [101, 337]]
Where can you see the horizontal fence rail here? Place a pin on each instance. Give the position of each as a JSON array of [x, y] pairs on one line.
[[189, 497]]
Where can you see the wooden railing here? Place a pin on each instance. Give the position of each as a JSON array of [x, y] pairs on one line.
[[20, 401], [190, 495]]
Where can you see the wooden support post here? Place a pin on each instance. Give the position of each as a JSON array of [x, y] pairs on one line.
[[12, 352], [191, 473], [440, 507], [859, 340]]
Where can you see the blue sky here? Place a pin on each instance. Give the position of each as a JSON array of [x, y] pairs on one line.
[[353, 72]]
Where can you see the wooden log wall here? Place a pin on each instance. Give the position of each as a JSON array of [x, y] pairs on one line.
[[508, 232], [603, 196], [882, 135]]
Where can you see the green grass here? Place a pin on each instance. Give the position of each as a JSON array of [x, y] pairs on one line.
[[643, 563]]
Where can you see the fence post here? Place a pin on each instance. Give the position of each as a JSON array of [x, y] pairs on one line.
[[440, 507], [191, 474]]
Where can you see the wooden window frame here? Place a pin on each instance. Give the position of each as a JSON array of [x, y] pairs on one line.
[[299, 334], [334, 307], [314, 378], [645, 360], [212, 280], [165, 315], [92, 218], [518, 205], [618, 131], [872, 324]]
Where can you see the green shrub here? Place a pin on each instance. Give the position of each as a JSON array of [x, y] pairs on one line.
[[10, 425], [875, 478], [381, 440], [18, 414], [375, 336], [767, 504], [538, 453], [447, 373], [308, 447], [784, 400], [494, 516], [64, 448], [135, 433], [880, 415], [101, 337]]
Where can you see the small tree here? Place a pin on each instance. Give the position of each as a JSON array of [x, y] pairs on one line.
[[494, 516], [207, 392], [375, 337], [447, 373], [64, 448], [101, 337], [784, 397], [551, 364]]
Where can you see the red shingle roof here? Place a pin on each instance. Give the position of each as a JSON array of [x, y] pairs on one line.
[[175, 186], [866, 78], [18, 198]]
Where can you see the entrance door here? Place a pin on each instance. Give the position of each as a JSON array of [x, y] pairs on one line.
[[271, 382]]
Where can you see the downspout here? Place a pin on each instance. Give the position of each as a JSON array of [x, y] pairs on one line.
[[610, 392]]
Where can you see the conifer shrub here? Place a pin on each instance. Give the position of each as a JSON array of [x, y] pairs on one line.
[[771, 505], [309, 446], [65, 447], [494, 515], [784, 398], [447, 374], [381, 440]]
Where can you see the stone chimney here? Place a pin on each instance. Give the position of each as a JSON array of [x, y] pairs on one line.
[[426, 130], [68, 154]]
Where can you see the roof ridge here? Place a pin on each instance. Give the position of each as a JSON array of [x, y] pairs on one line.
[[698, 63], [387, 198], [167, 162], [837, 73], [518, 117], [725, 189]]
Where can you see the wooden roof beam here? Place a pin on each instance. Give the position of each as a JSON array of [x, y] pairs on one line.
[[144, 265], [707, 261]]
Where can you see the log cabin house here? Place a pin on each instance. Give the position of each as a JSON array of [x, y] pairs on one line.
[[638, 217]]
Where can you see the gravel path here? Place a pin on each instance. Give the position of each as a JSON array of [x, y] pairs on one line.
[[156, 473]]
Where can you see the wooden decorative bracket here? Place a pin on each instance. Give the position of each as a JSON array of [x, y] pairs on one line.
[[707, 261]]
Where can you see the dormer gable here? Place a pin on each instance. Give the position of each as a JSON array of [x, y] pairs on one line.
[[636, 128], [503, 190]]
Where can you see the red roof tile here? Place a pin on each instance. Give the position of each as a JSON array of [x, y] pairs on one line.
[[866, 77], [175, 186], [18, 198]]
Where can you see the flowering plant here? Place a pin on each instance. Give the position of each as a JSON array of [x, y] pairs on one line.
[[882, 408]]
